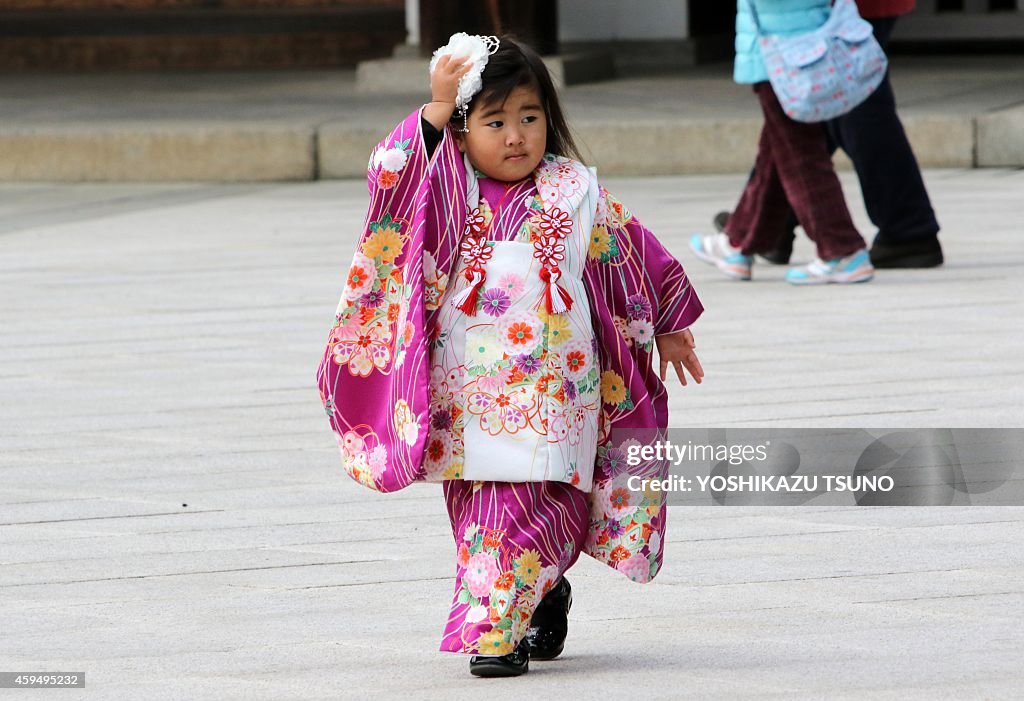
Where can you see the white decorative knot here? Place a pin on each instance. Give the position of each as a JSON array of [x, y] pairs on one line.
[[475, 48]]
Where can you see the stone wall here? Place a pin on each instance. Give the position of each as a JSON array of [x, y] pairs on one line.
[[83, 35]]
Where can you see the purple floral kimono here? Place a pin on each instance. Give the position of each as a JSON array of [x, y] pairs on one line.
[[492, 337]]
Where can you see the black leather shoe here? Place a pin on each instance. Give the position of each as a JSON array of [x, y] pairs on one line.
[[925, 253], [720, 220], [778, 256], [513, 664], [550, 623]]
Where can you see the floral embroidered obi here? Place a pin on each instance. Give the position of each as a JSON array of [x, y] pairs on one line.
[[515, 382]]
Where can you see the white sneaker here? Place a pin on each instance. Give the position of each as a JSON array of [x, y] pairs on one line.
[[855, 267], [716, 250]]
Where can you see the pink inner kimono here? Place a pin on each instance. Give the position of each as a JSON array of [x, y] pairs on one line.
[[505, 385]]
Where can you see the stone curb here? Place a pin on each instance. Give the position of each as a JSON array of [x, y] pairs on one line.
[[252, 152], [142, 152], [1000, 138]]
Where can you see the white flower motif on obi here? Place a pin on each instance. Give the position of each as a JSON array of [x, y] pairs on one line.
[[577, 359], [475, 222], [555, 223], [361, 276], [519, 332], [507, 411], [641, 330], [567, 423], [549, 250], [393, 159], [475, 251]]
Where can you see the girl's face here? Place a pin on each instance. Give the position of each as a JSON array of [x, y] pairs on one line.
[[507, 141]]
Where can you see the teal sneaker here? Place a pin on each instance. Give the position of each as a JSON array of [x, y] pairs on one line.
[[716, 250], [853, 268]]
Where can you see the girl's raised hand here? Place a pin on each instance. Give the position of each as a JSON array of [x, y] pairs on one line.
[[444, 88], [678, 350], [444, 81]]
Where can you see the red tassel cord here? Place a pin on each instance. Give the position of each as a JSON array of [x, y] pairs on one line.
[[556, 299], [466, 300]]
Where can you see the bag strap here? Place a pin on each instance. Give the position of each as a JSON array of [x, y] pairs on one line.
[[757, 22]]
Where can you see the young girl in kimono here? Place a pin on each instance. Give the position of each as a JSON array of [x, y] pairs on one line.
[[498, 322]]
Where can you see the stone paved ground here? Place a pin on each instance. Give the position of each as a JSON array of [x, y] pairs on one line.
[[174, 521]]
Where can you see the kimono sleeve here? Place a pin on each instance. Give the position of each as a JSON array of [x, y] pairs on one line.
[[636, 279], [373, 375], [638, 290]]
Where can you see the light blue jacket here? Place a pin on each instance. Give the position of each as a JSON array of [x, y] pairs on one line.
[[783, 17]]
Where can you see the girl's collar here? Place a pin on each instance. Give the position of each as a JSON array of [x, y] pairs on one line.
[[562, 182]]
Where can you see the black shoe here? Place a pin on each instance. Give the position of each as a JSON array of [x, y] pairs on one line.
[[550, 623], [720, 220], [513, 664], [778, 256], [925, 253]]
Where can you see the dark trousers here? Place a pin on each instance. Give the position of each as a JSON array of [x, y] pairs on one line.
[[872, 136], [793, 169]]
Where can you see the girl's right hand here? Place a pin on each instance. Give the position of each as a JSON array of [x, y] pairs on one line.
[[444, 81]]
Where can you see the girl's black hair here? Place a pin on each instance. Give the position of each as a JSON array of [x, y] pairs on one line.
[[515, 64]]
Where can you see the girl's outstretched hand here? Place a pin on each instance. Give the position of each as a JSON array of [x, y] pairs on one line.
[[678, 350]]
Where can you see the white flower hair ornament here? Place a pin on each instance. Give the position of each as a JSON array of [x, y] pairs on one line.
[[475, 48]]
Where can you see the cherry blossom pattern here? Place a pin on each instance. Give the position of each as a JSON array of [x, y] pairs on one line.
[[506, 411], [558, 178], [361, 348]]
